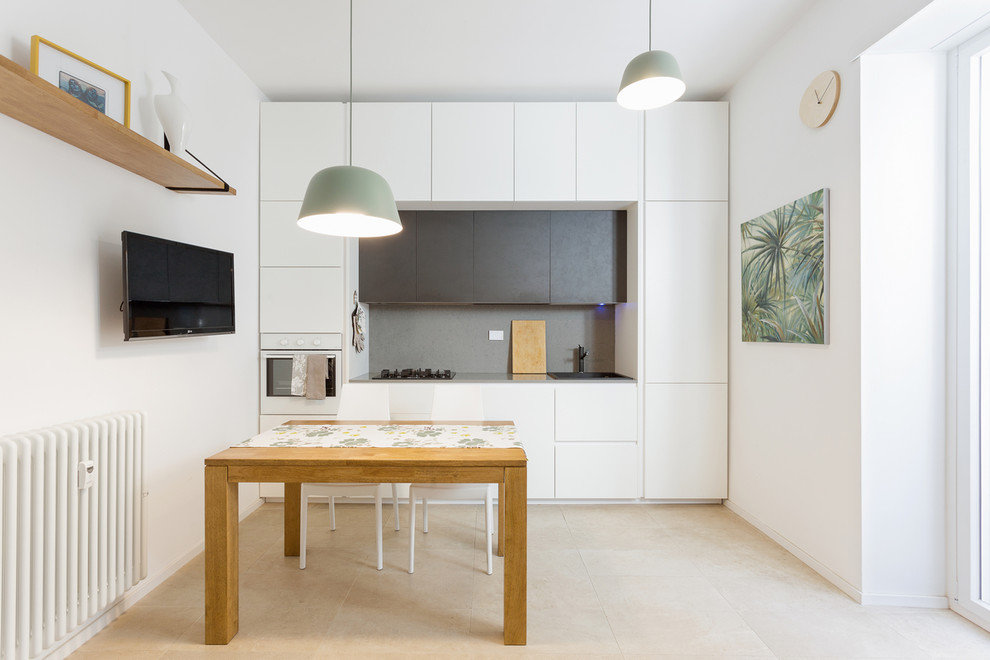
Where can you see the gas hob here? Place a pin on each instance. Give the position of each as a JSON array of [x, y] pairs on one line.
[[414, 374]]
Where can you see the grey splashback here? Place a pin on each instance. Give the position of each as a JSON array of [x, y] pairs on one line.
[[456, 336]]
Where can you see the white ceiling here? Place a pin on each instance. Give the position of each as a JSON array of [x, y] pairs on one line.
[[470, 50]]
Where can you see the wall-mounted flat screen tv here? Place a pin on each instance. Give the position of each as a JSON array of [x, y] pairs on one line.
[[174, 289]]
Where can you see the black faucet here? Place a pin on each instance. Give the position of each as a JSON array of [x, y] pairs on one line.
[[581, 355]]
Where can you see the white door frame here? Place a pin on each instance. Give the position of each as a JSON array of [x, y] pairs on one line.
[[963, 432]]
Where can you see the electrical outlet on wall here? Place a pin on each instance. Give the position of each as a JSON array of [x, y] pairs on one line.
[[495, 335]]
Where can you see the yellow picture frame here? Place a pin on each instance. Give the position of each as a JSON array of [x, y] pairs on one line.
[[89, 82]]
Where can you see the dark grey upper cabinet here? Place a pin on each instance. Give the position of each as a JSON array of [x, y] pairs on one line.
[[512, 256], [528, 257], [444, 256], [387, 264], [587, 257]]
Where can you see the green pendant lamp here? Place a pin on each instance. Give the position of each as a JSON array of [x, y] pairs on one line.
[[651, 79], [346, 200], [349, 201]]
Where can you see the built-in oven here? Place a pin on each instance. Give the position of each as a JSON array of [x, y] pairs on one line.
[[278, 350]]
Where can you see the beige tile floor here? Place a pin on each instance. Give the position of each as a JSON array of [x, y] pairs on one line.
[[605, 581]]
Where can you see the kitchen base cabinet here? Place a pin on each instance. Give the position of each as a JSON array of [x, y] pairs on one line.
[[597, 470], [410, 401], [587, 412], [596, 454], [686, 448], [530, 407]]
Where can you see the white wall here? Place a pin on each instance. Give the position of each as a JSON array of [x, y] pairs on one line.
[[903, 327], [794, 410], [61, 335]]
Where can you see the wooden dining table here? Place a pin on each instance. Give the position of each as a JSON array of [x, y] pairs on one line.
[[420, 452]]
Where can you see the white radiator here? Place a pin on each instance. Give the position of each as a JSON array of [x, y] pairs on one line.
[[73, 527]]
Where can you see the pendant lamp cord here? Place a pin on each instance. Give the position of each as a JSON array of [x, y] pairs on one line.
[[649, 28], [350, 88]]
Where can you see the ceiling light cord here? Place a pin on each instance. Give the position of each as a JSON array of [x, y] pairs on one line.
[[350, 87], [345, 200], [649, 28]]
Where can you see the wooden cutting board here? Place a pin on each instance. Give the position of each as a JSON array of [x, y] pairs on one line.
[[529, 347]]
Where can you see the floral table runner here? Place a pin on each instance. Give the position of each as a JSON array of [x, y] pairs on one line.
[[386, 435]]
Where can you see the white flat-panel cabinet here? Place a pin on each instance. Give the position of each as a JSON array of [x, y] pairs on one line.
[[590, 412], [545, 151], [284, 243], [608, 148], [394, 140], [686, 455], [687, 152], [298, 140], [302, 300], [472, 151], [592, 470], [410, 401], [686, 292], [530, 407], [596, 454]]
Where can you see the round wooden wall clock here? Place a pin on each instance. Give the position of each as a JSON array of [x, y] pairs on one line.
[[819, 100]]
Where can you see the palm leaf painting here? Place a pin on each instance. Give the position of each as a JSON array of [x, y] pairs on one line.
[[784, 279]]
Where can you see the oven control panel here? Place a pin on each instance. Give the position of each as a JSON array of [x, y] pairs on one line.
[[301, 341]]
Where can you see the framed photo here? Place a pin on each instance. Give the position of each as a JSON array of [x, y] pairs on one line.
[[85, 80]]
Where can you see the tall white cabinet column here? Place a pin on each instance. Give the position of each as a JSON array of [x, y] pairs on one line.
[[302, 279], [297, 140], [685, 282]]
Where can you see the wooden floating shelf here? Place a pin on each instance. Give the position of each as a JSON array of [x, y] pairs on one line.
[[29, 99]]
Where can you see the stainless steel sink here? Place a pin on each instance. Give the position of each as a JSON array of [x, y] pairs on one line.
[[586, 375]]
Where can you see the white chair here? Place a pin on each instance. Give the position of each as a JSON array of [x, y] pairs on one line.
[[357, 403], [453, 402]]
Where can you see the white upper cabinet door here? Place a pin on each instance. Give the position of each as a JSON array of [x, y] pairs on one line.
[[393, 139], [297, 141], [284, 243], [686, 292], [686, 450], [472, 152], [302, 300], [588, 412], [545, 151], [687, 152], [608, 152]]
